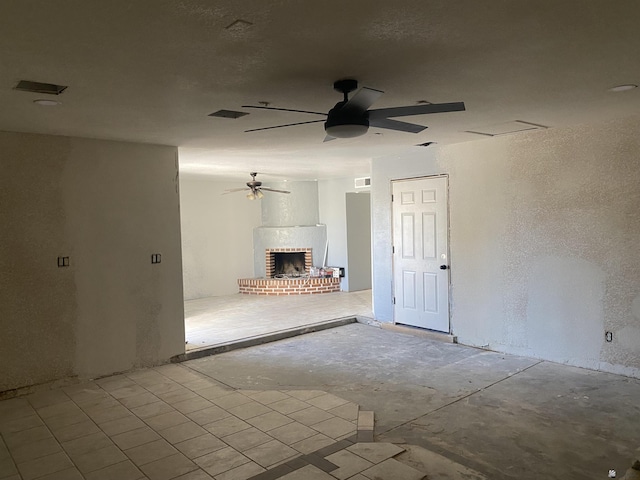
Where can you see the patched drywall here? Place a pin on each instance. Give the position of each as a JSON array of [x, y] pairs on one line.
[[107, 206], [217, 236], [544, 232], [570, 290]]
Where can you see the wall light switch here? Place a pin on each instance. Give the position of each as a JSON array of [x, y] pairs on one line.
[[608, 336], [63, 261], [156, 258]]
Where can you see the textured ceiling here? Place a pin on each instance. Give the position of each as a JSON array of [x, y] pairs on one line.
[[152, 71]]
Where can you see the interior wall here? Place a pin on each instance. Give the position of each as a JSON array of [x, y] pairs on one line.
[[107, 206], [544, 237], [359, 240], [333, 213], [217, 236]]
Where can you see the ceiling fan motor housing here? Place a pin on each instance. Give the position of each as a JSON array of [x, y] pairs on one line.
[[346, 123]]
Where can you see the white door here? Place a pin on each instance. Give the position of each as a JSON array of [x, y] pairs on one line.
[[420, 253]]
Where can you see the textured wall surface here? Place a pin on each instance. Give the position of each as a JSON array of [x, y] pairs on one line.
[[217, 237], [108, 206], [544, 237], [38, 305], [300, 207]]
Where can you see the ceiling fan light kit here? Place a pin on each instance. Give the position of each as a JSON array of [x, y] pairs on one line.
[[346, 131], [255, 189], [352, 117]]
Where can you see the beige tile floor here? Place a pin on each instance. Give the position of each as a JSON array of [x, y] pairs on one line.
[[172, 422], [217, 320]]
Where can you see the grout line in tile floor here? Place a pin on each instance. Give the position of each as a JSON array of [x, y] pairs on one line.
[[168, 422]]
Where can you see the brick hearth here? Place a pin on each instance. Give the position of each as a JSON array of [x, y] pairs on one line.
[[288, 286]]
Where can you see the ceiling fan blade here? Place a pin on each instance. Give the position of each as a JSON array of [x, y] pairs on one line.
[[363, 99], [396, 125], [416, 110], [281, 126], [273, 190], [328, 138], [231, 190], [284, 109]]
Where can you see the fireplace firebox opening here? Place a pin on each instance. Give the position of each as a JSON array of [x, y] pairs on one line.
[[291, 264], [288, 262]]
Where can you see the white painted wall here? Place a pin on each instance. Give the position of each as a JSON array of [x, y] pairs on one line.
[[544, 236], [217, 236], [297, 208], [359, 240], [108, 206], [333, 213]]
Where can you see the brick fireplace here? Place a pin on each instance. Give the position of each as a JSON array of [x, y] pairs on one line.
[[287, 273], [288, 244]]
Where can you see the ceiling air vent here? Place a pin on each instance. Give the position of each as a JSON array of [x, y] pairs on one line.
[[228, 114], [37, 87], [363, 182]]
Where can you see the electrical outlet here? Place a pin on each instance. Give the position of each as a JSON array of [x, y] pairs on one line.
[[63, 261], [608, 336], [156, 258]]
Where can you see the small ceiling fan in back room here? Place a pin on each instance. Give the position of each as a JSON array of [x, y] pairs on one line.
[[255, 188], [351, 117]]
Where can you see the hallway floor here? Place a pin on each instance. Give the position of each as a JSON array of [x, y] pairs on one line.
[[213, 321]]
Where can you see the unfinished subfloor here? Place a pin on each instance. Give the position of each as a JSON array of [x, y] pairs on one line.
[[304, 408], [501, 415]]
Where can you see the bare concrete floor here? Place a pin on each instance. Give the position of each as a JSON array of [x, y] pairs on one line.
[[500, 415], [214, 321]]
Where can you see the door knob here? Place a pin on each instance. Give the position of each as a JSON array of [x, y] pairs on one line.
[[444, 267]]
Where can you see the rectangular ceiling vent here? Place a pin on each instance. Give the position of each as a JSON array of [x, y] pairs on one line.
[[363, 182], [38, 87], [507, 128], [228, 114]]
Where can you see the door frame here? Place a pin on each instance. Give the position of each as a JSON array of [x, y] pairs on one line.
[[448, 234]]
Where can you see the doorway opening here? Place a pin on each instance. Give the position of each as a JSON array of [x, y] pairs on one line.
[[233, 242]]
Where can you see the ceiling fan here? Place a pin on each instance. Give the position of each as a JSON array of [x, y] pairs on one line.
[[351, 117], [255, 188]]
